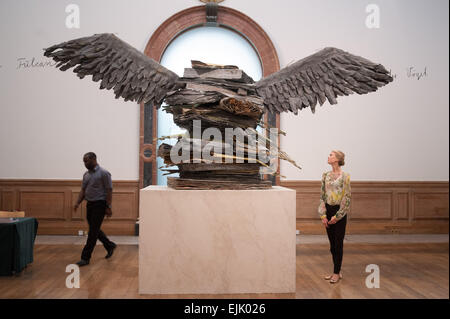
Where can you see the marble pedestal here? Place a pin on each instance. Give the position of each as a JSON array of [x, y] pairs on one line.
[[216, 241]]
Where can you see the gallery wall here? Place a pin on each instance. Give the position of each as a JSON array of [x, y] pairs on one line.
[[49, 118]]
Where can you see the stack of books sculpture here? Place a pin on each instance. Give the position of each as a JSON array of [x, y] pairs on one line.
[[222, 148]]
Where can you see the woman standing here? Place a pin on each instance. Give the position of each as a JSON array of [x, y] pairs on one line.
[[333, 208]]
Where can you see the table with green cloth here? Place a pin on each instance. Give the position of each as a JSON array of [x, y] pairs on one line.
[[17, 237]]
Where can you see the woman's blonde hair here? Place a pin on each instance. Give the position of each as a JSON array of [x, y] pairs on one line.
[[340, 156]]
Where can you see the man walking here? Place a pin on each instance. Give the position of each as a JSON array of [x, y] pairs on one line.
[[97, 190]]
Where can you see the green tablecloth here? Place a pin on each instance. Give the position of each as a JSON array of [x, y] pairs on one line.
[[16, 244]]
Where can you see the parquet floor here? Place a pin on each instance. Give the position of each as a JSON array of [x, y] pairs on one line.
[[407, 270]]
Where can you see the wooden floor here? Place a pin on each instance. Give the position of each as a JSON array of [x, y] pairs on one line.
[[406, 271]]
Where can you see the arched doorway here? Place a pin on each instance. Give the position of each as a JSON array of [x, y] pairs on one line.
[[174, 26], [211, 44]]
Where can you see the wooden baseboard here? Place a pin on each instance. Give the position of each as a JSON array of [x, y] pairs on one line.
[[72, 228]]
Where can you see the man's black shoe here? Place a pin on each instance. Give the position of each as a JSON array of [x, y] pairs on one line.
[[83, 262], [110, 251]]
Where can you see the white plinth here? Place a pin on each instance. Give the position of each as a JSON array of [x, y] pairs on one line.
[[216, 241]]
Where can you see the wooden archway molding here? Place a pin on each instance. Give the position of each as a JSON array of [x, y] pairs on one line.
[[160, 40]]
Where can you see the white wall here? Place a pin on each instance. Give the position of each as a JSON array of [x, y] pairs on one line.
[[49, 118]]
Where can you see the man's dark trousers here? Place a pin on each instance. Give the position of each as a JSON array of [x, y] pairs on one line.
[[95, 215]]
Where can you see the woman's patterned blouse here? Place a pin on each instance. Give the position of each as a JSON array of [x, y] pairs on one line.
[[335, 192]]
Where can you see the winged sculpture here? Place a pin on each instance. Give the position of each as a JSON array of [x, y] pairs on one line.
[[220, 96]]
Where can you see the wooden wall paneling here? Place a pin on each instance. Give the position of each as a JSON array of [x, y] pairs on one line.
[[51, 202], [308, 204], [8, 199], [377, 207], [369, 204], [80, 213], [430, 204], [380, 207], [68, 207], [394, 205], [43, 204], [402, 202], [410, 205], [124, 206]]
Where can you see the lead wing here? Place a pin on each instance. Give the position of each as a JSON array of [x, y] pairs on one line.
[[324, 75], [131, 74]]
